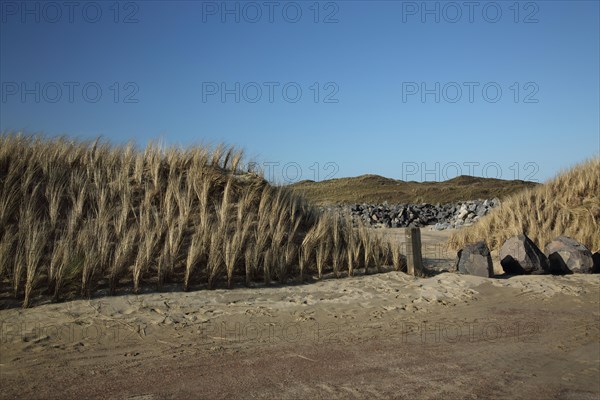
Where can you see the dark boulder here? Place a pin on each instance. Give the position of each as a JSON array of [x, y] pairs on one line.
[[596, 258], [567, 256], [520, 256], [475, 259]]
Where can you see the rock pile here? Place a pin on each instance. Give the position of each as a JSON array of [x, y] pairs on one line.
[[519, 255], [442, 216]]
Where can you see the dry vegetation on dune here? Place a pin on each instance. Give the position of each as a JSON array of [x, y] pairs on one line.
[[76, 217], [376, 189], [567, 205]]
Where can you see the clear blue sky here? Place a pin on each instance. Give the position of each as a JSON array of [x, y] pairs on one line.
[[173, 56]]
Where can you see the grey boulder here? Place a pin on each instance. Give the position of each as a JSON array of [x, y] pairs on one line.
[[475, 259], [520, 256], [568, 256]]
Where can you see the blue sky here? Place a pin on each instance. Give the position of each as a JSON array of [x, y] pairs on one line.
[[361, 66]]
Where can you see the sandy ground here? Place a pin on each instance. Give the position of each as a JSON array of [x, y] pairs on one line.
[[380, 336]]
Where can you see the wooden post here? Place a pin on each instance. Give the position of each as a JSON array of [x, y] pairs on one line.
[[414, 259]]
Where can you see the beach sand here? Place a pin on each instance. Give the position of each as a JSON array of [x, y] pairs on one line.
[[386, 335]]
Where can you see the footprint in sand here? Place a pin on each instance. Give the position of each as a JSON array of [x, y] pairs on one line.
[[259, 311], [305, 316]]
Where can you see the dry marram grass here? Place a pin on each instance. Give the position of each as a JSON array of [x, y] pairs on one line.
[[567, 205], [77, 217]]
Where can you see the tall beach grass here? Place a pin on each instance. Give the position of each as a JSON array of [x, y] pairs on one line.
[[78, 216], [567, 205]]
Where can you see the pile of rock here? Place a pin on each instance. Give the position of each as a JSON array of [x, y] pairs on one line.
[[519, 255], [442, 216]]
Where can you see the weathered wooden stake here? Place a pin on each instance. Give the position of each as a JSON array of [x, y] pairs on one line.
[[414, 259]]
